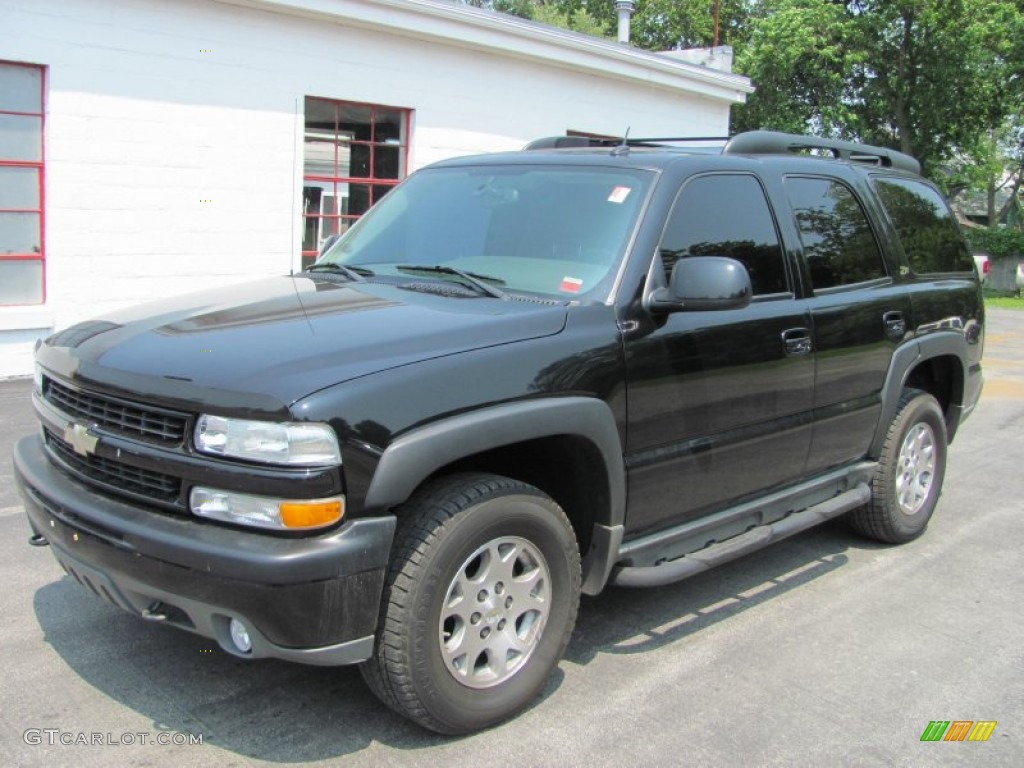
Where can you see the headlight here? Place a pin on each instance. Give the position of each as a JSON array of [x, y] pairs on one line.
[[265, 511], [37, 378], [295, 444]]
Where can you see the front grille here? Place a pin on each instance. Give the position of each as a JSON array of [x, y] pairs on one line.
[[117, 416], [120, 477]]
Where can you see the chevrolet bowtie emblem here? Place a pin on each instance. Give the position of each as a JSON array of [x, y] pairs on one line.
[[78, 437]]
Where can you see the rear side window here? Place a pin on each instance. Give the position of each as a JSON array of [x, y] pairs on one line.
[[927, 230], [726, 215], [839, 245]]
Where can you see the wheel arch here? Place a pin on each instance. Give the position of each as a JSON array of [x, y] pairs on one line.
[[936, 364], [568, 447]]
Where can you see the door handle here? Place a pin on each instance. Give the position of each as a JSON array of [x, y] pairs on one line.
[[895, 325], [797, 341]]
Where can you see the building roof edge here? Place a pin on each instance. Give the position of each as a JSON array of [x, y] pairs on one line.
[[519, 38]]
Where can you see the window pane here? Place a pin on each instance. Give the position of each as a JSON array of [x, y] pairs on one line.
[[319, 158], [20, 88], [19, 187], [387, 162], [19, 233], [21, 282], [356, 120], [698, 228], [21, 138], [321, 119], [390, 127], [839, 246], [358, 199], [359, 162], [926, 229]]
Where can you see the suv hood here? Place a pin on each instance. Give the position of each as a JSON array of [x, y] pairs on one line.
[[281, 339]]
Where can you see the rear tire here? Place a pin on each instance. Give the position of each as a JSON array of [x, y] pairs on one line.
[[911, 467], [479, 603]]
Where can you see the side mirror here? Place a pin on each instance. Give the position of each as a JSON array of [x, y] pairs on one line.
[[703, 283]]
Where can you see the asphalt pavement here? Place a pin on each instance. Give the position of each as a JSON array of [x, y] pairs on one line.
[[825, 649]]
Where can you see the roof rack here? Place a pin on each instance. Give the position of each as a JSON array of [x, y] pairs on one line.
[[775, 143], [569, 142]]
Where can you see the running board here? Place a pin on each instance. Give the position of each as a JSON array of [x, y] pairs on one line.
[[754, 539]]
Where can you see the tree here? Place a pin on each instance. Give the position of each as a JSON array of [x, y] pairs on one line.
[[928, 77], [656, 25], [568, 14]]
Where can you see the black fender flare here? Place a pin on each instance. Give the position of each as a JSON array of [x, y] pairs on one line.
[[415, 455], [904, 360]]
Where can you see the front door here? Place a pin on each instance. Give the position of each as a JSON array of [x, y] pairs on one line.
[[719, 402]]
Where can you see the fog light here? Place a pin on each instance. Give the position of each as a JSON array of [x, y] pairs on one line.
[[240, 636]]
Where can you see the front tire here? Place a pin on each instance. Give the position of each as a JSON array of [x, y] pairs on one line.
[[479, 603], [911, 467]]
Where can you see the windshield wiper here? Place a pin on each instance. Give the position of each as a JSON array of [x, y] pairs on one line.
[[356, 274], [474, 279]]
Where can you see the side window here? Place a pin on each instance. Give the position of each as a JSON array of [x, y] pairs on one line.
[[927, 231], [838, 243], [726, 216]]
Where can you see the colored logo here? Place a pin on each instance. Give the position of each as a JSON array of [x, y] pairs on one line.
[[958, 730]]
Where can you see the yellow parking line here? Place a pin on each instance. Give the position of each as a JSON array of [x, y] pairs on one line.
[[1003, 389]]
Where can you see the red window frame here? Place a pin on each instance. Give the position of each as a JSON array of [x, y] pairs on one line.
[[40, 166], [376, 185]]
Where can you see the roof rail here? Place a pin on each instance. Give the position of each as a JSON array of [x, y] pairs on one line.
[[565, 142], [775, 143]]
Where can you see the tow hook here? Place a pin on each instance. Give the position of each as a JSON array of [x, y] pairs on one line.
[[154, 612], [38, 540]]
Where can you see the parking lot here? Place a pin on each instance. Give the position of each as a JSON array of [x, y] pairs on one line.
[[823, 650]]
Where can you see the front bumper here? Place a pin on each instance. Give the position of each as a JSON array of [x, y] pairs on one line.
[[313, 600]]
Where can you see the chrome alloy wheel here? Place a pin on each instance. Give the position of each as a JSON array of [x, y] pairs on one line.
[[494, 612], [915, 468]]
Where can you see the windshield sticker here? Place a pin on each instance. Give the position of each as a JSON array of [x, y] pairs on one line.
[[619, 195], [570, 285]]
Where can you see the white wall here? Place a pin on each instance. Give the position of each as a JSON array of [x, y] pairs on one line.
[[174, 135]]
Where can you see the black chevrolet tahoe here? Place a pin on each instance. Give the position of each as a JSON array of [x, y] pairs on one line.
[[519, 378]]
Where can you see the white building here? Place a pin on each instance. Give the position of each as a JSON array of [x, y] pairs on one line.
[[151, 147]]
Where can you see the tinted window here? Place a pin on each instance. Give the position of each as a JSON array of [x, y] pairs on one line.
[[547, 229], [726, 216], [929, 234], [838, 243]]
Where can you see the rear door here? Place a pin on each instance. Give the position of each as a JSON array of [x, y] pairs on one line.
[[860, 312]]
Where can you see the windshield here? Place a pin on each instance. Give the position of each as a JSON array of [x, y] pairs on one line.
[[554, 231]]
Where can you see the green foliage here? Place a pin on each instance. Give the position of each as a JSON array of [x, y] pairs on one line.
[[1003, 302], [577, 19], [524, 9], [997, 243], [558, 13], [799, 58], [942, 80], [656, 25], [929, 77], [661, 25]]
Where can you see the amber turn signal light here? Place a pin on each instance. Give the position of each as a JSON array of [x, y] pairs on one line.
[[311, 514]]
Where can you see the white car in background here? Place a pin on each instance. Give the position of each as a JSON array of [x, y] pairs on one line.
[[981, 261]]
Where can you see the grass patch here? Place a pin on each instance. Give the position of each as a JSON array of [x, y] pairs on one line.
[[1002, 301]]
